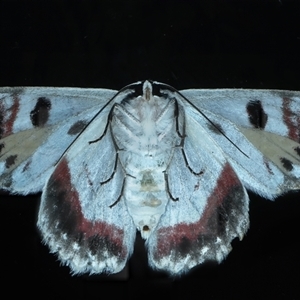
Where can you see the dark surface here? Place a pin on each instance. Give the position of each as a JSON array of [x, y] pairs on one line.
[[187, 44]]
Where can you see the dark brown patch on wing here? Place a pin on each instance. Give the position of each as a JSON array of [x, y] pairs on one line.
[[1, 147], [8, 117], [77, 127], [287, 164], [40, 114], [256, 114], [11, 160], [297, 149], [215, 128], [291, 119]]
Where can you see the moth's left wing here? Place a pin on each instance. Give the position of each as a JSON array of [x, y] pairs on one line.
[[37, 124], [211, 207], [259, 130]]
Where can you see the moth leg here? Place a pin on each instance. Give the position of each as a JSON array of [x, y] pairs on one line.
[[182, 137], [168, 188], [121, 193], [114, 170], [181, 145]]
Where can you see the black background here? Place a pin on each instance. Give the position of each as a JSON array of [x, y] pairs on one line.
[[187, 44]]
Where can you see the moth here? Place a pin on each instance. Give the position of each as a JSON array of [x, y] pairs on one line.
[[174, 165]]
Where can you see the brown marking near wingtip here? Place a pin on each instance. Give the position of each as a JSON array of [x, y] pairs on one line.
[[291, 119], [286, 163], [40, 114], [256, 114], [77, 127], [6, 125], [11, 160]]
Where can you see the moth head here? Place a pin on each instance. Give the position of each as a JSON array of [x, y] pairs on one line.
[[147, 91]]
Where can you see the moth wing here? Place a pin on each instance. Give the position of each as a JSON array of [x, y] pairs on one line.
[[37, 124], [212, 208], [259, 132], [76, 216]]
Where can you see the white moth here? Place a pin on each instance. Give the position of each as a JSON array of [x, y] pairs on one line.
[[173, 165]]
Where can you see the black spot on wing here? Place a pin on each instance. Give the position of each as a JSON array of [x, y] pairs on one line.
[[287, 164], [11, 160], [297, 149], [6, 181], [40, 114], [256, 114], [1, 147], [77, 127], [215, 128]]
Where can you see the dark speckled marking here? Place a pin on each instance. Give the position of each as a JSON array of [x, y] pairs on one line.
[[297, 149], [1, 147], [25, 168], [256, 114], [40, 114], [287, 164], [215, 128], [291, 119], [6, 181], [77, 127], [8, 116], [11, 160]]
